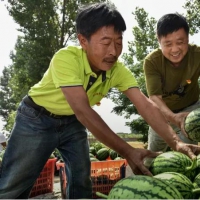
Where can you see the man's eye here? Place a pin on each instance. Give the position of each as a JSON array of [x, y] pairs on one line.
[[168, 45], [119, 44], [179, 43]]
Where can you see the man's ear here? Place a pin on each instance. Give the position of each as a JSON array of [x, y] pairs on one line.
[[83, 41], [158, 39]]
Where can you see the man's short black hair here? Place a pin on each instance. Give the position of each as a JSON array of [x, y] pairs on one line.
[[170, 23], [91, 17]]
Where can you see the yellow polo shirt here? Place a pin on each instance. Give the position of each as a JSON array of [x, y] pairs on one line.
[[69, 67]]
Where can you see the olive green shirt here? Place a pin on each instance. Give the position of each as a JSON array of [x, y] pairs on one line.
[[177, 85], [69, 67]]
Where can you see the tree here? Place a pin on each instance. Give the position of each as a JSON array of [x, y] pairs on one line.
[[45, 27], [193, 15], [6, 101]]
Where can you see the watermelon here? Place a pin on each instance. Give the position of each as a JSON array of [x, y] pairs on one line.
[[98, 146], [142, 187], [113, 154], [192, 125], [173, 161], [183, 184], [92, 159], [198, 161], [102, 154], [196, 181], [92, 150], [118, 158], [91, 155]]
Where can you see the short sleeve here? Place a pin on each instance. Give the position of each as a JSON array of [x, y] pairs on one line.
[[65, 69], [152, 78], [123, 78]]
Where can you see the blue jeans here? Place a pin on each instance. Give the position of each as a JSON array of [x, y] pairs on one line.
[[34, 137]]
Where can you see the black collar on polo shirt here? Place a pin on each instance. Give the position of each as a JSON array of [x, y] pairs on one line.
[[93, 79]]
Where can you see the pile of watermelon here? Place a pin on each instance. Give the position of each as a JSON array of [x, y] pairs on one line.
[[175, 176], [99, 152]]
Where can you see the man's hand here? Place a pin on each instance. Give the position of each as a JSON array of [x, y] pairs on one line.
[[179, 121], [190, 150], [136, 160]]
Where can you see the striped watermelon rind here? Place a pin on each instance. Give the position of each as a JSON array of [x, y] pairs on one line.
[[143, 187], [183, 184], [198, 161], [192, 125], [113, 154], [102, 154], [173, 161], [196, 181]]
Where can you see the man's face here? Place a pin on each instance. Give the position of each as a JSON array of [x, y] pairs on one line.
[[174, 46], [103, 49]]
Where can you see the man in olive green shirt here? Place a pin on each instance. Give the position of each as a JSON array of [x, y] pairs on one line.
[[171, 74]]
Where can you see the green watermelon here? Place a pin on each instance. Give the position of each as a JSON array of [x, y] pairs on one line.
[[198, 161], [142, 187], [92, 159], [98, 146], [183, 184], [91, 155], [196, 181], [102, 154], [173, 161], [92, 150], [192, 125], [113, 154], [118, 158]]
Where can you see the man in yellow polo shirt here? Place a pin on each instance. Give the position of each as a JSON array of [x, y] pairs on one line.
[[57, 110]]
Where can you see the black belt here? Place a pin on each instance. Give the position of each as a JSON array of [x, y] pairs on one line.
[[29, 101]]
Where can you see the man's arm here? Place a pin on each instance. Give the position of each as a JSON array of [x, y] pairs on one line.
[[154, 117], [176, 119], [78, 100]]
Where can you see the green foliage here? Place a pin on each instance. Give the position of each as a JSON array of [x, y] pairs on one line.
[[10, 121], [44, 27], [193, 15], [7, 102], [140, 127]]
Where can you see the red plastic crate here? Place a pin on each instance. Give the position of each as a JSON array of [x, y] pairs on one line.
[[45, 181], [104, 175]]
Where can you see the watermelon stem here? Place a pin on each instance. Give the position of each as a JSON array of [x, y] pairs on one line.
[[99, 194], [193, 166]]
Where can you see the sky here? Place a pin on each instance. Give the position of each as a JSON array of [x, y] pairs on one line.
[[155, 8]]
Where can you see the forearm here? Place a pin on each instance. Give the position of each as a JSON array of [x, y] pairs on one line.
[[94, 123], [169, 115], [153, 116], [159, 123]]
